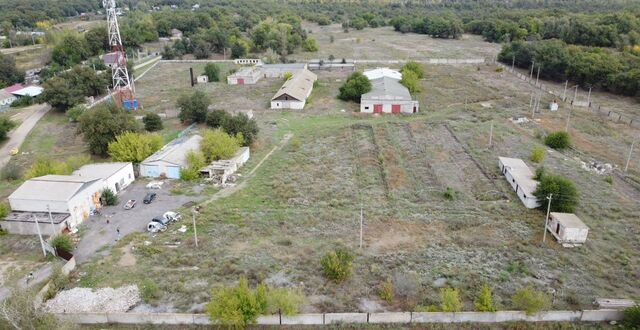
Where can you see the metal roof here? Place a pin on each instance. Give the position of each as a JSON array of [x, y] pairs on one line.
[[175, 152], [52, 187], [5, 95], [29, 91], [13, 88], [521, 173], [100, 170], [298, 86], [382, 72], [386, 88], [569, 220]]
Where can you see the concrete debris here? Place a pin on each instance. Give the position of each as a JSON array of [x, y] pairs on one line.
[[486, 105], [298, 201], [519, 120], [183, 229], [596, 167], [105, 300]]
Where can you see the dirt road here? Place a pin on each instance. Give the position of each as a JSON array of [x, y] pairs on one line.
[[17, 136]]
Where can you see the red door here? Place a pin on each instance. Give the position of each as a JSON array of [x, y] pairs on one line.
[[395, 108], [377, 108], [240, 81]]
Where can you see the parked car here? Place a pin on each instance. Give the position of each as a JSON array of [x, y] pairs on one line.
[[154, 185], [172, 216], [130, 204], [155, 227], [149, 198]]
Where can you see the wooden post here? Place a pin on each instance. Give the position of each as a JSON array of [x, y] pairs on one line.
[[546, 221]]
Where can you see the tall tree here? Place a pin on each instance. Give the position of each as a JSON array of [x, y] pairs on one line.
[[9, 73], [194, 107], [101, 124]]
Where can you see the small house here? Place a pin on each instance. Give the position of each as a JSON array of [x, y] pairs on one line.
[[245, 76], [168, 161], [521, 179], [567, 228], [294, 92], [202, 79], [117, 176], [279, 70], [6, 99]]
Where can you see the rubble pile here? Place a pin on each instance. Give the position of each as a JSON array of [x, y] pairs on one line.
[[104, 300], [596, 167]]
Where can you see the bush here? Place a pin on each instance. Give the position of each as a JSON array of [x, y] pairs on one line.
[[74, 113], [356, 85], [285, 301], [484, 300], [530, 301], [152, 122], [217, 144], [450, 300], [196, 161], [287, 76], [410, 81], [241, 124], [62, 242], [149, 291], [212, 71], [337, 265], [450, 194], [558, 140], [415, 67], [540, 173], [6, 125], [565, 193], [217, 118], [631, 317], [537, 154], [24, 101], [109, 197], [4, 209], [47, 166], [386, 291], [11, 171], [134, 147]]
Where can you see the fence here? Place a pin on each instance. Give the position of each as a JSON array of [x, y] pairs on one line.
[[428, 61], [590, 106], [352, 318]]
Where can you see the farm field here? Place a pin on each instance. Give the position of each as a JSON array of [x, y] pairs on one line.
[[306, 199]]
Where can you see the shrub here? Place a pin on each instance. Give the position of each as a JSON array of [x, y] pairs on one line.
[[62, 242], [498, 69], [426, 309], [149, 290], [415, 67], [558, 140], [152, 122], [295, 144], [287, 76], [241, 124], [47, 166], [631, 317], [75, 162], [285, 301], [608, 179], [212, 71], [450, 194], [537, 154], [11, 171], [565, 193], [4, 209], [6, 125], [540, 173], [217, 144], [337, 265], [386, 291], [484, 300], [410, 81], [217, 118], [134, 147], [450, 300], [109, 197], [24, 101], [356, 85], [196, 161], [530, 301], [74, 113]]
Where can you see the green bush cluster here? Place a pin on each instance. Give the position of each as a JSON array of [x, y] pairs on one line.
[[558, 140], [564, 192], [109, 197], [530, 300], [337, 265], [233, 125], [537, 154], [356, 85], [62, 242]]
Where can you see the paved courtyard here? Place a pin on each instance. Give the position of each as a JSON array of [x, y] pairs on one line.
[[100, 230]]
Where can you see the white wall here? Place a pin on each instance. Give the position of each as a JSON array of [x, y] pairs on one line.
[[81, 204], [529, 200], [567, 235], [7, 102], [124, 177], [405, 106], [290, 104]]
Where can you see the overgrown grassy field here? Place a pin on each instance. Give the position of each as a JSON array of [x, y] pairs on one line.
[[306, 199]]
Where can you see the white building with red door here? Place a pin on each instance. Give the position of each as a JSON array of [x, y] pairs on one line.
[[245, 76], [387, 94]]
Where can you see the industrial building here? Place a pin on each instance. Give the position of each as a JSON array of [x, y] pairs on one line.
[[294, 92], [168, 161], [245, 76], [116, 176], [387, 94], [568, 229], [521, 179]]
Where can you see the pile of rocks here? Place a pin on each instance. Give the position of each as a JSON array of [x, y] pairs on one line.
[[105, 300]]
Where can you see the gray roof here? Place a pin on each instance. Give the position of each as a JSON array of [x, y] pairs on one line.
[[5, 95], [247, 71], [285, 66], [298, 86], [386, 88], [100, 170], [52, 187], [175, 152], [569, 220], [521, 173]]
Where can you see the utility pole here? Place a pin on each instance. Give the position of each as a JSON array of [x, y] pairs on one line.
[[491, 135], [564, 94], [533, 63], [53, 227], [626, 166], [531, 101], [513, 62], [538, 76], [195, 231], [589, 98], [566, 128], [361, 224], [40, 236], [546, 221], [575, 95]]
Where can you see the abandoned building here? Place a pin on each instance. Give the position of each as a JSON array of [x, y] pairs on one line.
[[117, 176], [294, 92], [168, 161], [279, 70], [568, 229], [222, 169], [521, 179], [245, 76], [387, 94]]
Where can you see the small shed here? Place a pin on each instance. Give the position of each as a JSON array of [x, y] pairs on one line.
[[245, 76], [202, 79], [568, 229], [168, 161], [110, 59]]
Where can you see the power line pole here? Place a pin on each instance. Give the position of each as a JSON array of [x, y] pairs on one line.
[[626, 166], [564, 94], [513, 62], [491, 135], [589, 98], [546, 221], [40, 236], [538, 76], [195, 231], [575, 95], [53, 227], [566, 128], [531, 101], [533, 63], [361, 225]]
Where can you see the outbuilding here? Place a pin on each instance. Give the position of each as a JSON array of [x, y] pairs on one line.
[[279, 70], [116, 176], [521, 179], [568, 229], [168, 161], [202, 79], [75, 196], [294, 92], [387, 95], [110, 59], [245, 76]]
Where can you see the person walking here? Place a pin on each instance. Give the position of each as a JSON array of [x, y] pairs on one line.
[[29, 277], [117, 233]]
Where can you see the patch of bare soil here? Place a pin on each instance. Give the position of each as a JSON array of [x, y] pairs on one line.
[[382, 237], [127, 259]]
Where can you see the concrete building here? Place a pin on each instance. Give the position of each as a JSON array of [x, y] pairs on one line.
[[335, 65], [387, 95], [225, 168], [245, 76], [168, 161], [521, 179], [6, 99], [115, 176], [74, 196], [248, 61], [567, 228], [202, 79], [294, 92], [382, 72], [110, 59], [31, 91], [278, 70]]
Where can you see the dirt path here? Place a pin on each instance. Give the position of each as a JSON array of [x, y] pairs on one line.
[[17, 136], [231, 190]]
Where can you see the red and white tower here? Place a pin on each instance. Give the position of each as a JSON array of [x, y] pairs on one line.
[[124, 94]]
